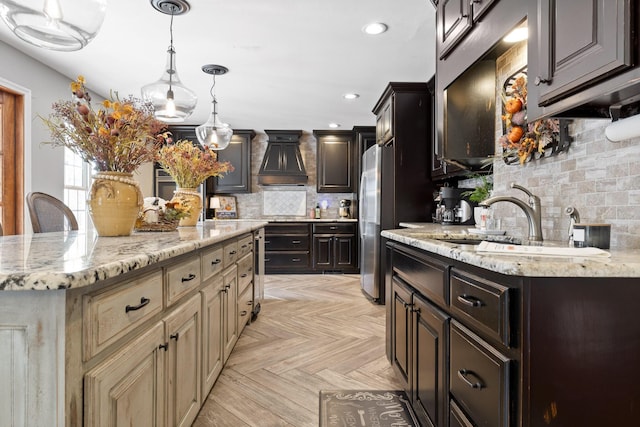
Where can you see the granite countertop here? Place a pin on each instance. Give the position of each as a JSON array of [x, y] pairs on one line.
[[74, 259], [305, 219], [621, 263]]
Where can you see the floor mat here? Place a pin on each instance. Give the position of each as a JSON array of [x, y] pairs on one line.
[[365, 408]]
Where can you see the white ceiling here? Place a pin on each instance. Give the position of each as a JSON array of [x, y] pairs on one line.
[[290, 61]]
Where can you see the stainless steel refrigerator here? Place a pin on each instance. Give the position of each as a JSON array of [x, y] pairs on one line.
[[369, 221]]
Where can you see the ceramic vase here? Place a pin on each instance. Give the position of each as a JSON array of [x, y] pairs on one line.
[[190, 198], [115, 201]]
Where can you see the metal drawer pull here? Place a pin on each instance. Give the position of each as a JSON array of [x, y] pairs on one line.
[[462, 374], [189, 278], [175, 336], [243, 275], [406, 304], [249, 302], [295, 259], [266, 242], [143, 301], [164, 346], [244, 246], [295, 242], [470, 301], [267, 259], [333, 227], [243, 313], [216, 261], [233, 252]]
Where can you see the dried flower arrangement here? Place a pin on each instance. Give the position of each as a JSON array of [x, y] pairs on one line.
[[190, 165], [119, 137], [523, 140]]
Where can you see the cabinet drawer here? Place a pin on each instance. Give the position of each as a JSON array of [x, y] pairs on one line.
[[457, 418], [181, 278], [287, 243], [230, 253], [110, 315], [245, 244], [479, 378], [245, 271], [280, 228], [287, 259], [429, 278], [212, 262], [485, 304], [245, 304], [333, 228]]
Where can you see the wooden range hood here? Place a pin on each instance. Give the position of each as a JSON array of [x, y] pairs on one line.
[[282, 163]]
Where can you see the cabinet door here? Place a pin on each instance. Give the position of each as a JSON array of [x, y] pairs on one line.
[[322, 252], [239, 154], [345, 252], [429, 350], [453, 22], [335, 165], [581, 41], [400, 329], [183, 379], [230, 310], [128, 389], [211, 333], [384, 122], [479, 7]]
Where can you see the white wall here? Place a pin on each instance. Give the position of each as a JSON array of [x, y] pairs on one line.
[[46, 169]]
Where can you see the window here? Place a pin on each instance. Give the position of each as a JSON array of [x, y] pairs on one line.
[[76, 186]]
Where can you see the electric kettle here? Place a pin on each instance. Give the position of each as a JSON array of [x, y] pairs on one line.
[[345, 208]]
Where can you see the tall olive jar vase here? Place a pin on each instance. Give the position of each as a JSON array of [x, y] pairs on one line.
[[190, 198], [115, 200]]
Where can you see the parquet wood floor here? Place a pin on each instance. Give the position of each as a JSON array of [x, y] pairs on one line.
[[315, 332]]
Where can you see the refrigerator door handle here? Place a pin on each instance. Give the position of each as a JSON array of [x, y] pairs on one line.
[[361, 204]]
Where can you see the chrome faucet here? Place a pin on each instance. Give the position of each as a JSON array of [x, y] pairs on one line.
[[532, 210]]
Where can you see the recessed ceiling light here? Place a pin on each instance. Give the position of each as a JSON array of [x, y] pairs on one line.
[[350, 96], [334, 125], [375, 28], [517, 35]]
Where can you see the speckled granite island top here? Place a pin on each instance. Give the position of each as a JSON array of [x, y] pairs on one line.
[[74, 259], [622, 263]]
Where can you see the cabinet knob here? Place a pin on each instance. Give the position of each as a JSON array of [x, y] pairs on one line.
[[175, 336], [539, 80], [164, 346]]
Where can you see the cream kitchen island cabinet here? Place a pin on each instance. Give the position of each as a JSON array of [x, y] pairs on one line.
[[113, 331]]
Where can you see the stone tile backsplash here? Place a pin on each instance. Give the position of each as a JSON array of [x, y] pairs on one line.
[[601, 179]]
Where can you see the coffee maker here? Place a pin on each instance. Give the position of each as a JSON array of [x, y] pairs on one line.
[[454, 207]]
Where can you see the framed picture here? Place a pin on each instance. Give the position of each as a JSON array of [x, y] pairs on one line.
[[228, 209]]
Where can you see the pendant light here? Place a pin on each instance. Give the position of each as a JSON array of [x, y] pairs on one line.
[[64, 25], [213, 133], [172, 101]]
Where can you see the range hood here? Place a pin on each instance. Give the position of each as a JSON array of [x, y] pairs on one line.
[[282, 163]]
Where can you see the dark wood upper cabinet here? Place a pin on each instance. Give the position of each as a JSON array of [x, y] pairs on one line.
[[336, 161], [453, 21], [578, 43], [239, 154]]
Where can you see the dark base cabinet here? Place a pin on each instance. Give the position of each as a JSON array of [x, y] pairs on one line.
[[307, 247], [479, 348], [335, 247], [287, 248]]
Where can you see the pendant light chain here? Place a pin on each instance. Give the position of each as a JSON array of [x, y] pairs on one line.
[[172, 50]]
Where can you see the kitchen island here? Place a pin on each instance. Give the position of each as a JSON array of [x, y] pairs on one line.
[[504, 340], [120, 330]]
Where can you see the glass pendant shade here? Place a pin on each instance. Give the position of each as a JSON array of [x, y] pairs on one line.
[[213, 133], [64, 25], [172, 101]]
